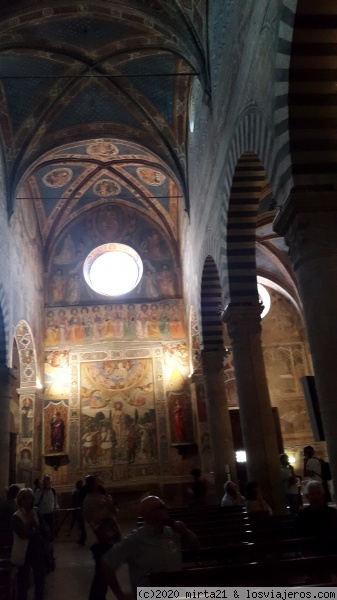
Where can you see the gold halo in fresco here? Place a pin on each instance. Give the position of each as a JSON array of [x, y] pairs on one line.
[[57, 178], [102, 149], [106, 187], [150, 176]]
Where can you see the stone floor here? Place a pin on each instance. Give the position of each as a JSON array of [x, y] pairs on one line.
[[74, 570]]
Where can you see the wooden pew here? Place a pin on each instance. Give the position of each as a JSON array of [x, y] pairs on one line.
[[248, 552], [288, 572]]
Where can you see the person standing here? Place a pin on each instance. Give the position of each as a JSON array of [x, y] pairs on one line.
[[313, 469], [29, 533], [156, 546], [289, 481], [45, 499], [100, 517], [76, 503], [198, 489], [8, 507]]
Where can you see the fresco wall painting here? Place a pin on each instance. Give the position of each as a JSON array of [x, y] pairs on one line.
[[286, 359], [111, 223], [114, 322], [118, 423]]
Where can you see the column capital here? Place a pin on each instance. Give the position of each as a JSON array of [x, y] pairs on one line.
[[303, 203], [308, 222], [212, 360], [242, 319]]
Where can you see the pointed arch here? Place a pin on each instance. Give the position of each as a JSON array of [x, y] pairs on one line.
[[211, 306], [249, 183], [27, 354]]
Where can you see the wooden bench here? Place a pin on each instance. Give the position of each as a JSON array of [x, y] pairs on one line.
[[295, 571], [248, 552]]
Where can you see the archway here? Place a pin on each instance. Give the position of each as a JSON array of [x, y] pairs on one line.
[[242, 316], [212, 363]]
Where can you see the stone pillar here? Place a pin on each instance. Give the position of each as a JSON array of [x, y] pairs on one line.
[[202, 422], [257, 424], [4, 425], [218, 419], [308, 223]]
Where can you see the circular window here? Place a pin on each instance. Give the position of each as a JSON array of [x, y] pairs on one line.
[[113, 269]]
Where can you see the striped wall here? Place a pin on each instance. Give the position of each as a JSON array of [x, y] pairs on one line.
[[211, 305], [281, 173], [313, 96], [249, 182]]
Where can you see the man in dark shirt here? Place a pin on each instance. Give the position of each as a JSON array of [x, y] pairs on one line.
[[318, 520]]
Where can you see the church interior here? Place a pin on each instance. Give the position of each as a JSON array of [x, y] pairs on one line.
[[168, 218]]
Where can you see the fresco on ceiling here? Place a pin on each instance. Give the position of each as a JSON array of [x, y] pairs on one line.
[[118, 322], [55, 428], [150, 176], [110, 223], [118, 421], [101, 149], [106, 188], [26, 258], [57, 178]]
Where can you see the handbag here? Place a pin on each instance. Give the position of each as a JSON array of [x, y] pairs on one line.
[[108, 531]]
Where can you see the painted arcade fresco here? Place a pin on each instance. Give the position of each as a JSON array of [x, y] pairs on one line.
[[120, 322], [110, 223], [286, 361]]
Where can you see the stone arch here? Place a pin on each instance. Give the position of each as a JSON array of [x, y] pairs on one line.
[[211, 306], [27, 354], [249, 183], [312, 97], [252, 137], [282, 168]]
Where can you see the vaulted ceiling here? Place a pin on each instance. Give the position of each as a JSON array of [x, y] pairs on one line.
[[94, 106], [113, 82]]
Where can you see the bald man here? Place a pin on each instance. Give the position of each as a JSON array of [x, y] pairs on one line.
[[156, 546], [318, 520]]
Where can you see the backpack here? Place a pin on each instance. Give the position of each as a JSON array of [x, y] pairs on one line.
[[325, 470]]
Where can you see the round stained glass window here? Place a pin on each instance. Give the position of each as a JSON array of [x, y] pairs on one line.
[[113, 269]]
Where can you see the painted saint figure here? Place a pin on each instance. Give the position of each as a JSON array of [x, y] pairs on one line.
[[116, 421], [179, 426], [57, 431]]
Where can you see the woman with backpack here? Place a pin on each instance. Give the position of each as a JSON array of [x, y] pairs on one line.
[[314, 469]]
